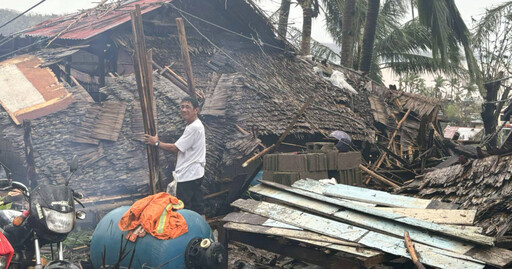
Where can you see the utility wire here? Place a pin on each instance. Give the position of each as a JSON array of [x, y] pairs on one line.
[[213, 44], [225, 29], [21, 14]]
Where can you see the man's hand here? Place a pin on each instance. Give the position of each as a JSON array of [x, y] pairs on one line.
[[151, 140]]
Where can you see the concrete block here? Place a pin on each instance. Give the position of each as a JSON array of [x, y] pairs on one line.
[[348, 160], [332, 160], [291, 162], [351, 176], [268, 175], [286, 178], [316, 162], [314, 175], [270, 162]]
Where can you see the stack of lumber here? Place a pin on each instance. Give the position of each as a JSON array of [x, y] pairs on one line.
[[366, 223]]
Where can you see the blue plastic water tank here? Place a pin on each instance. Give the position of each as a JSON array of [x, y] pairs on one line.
[[150, 252]]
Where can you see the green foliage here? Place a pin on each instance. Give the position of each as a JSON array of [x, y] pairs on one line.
[[403, 47], [452, 112], [20, 23]]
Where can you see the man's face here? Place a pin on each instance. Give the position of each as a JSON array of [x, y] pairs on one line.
[[188, 112]]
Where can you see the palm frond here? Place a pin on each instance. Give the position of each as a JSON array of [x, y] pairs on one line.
[[409, 62]]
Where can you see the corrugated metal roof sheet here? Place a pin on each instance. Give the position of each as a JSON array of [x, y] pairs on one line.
[[28, 91], [92, 24]]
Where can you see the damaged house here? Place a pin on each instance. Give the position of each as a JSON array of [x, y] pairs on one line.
[[80, 95], [251, 82]]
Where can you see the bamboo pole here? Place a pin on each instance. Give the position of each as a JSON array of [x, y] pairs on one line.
[[390, 142], [174, 80], [379, 177], [412, 251], [244, 132], [283, 136], [185, 56], [143, 73]]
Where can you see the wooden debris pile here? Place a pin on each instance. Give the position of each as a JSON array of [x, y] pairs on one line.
[[360, 226], [481, 184]]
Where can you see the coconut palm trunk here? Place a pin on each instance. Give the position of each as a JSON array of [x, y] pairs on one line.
[[347, 33], [307, 20], [369, 35], [284, 13]]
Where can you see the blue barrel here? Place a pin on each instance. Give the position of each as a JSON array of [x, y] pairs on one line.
[[150, 252]]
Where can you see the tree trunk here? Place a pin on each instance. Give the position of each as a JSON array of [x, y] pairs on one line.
[[488, 112], [307, 17], [284, 13], [347, 33], [369, 35]]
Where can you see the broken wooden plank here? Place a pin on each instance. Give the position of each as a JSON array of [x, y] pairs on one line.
[[360, 220], [438, 228], [343, 231], [296, 251], [440, 216], [248, 218], [363, 194], [305, 235]]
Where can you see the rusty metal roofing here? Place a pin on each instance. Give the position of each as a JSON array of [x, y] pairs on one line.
[[89, 23], [29, 91]]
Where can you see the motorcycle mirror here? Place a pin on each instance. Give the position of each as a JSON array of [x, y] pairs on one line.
[[5, 183], [80, 215], [73, 166], [78, 195]]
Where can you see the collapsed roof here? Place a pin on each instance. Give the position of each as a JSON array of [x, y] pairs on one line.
[[251, 81]]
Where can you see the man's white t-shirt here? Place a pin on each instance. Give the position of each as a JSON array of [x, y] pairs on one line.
[[192, 152]]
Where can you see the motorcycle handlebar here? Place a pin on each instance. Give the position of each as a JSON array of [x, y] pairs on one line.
[[7, 184]]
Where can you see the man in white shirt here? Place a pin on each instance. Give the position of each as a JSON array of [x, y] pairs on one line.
[[191, 150]]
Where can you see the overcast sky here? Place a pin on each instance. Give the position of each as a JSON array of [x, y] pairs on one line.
[[468, 9]]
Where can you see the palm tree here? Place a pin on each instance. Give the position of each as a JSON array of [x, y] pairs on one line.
[[284, 12], [454, 84], [399, 46], [369, 35], [347, 32], [310, 10], [439, 82]]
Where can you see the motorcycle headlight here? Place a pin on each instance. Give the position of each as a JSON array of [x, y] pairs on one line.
[[3, 261], [59, 222]]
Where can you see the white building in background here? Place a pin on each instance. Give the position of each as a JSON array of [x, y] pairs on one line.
[[465, 133]]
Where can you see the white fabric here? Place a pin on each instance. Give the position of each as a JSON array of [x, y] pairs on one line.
[[192, 152], [338, 79]]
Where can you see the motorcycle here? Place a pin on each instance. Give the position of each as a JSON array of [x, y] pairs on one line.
[[50, 218]]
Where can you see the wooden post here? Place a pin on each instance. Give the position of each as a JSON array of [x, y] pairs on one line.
[[185, 56], [143, 73], [29, 154]]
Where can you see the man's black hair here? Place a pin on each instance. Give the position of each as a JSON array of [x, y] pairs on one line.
[[193, 101]]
